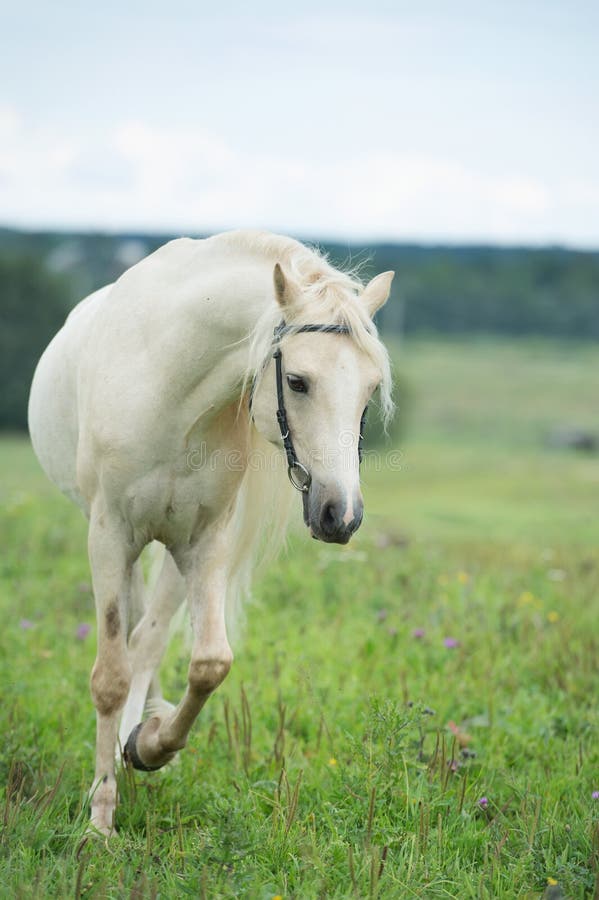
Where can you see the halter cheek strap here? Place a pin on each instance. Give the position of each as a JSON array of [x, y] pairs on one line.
[[299, 475]]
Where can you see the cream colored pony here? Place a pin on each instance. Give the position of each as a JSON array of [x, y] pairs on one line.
[[139, 413]]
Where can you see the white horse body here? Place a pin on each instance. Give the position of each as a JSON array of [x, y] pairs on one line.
[[140, 390], [129, 386]]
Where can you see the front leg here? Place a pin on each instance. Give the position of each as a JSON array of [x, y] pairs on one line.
[[111, 560], [154, 743]]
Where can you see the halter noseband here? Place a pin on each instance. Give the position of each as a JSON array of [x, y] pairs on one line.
[[299, 476]]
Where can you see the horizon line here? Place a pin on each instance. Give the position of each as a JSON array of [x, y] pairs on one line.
[[363, 241]]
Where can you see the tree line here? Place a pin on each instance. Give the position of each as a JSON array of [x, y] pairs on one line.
[[446, 290]]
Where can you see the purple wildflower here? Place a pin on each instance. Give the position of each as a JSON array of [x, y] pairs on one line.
[[418, 633], [83, 631], [25, 624], [595, 795], [483, 802], [450, 643]]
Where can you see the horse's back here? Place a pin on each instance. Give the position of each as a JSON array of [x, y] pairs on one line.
[[53, 401]]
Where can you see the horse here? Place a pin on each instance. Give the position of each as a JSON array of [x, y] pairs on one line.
[[164, 408]]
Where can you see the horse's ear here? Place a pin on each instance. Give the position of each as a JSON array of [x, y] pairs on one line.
[[376, 292], [286, 291]]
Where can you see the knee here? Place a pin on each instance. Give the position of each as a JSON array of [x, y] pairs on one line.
[[109, 687], [205, 675]]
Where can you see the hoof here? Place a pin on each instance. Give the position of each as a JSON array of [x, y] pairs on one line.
[[131, 756]]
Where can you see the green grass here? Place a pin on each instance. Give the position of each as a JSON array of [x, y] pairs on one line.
[[343, 756]]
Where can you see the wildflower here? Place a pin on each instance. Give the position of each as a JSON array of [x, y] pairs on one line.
[[551, 881], [277, 897], [382, 615], [418, 633], [526, 598], [553, 617], [25, 624], [332, 761], [483, 802], [83, 631], [463, 577], [450, 643], [595, 795]]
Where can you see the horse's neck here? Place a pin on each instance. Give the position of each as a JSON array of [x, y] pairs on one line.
[[190, 310]]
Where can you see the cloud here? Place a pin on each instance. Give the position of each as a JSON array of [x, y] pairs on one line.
[[191, 180]]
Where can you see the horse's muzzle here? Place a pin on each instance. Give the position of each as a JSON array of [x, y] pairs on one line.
[[328, 521]]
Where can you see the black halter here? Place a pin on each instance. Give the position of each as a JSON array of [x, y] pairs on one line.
[[299, 476]]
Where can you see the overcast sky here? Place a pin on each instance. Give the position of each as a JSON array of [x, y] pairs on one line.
[[450, 121]]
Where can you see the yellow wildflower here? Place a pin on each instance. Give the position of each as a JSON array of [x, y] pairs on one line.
[[526, 598], [551, 881], [553, 617], [463, 577], [332, 761]]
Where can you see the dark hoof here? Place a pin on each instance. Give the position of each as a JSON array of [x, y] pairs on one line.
[[131, 756]]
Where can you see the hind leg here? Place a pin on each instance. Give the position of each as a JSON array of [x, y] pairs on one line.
[[140, 597], [137, 597], [147, 644]]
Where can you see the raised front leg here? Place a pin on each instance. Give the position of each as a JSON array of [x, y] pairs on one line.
[[154, 743], [111, 561]]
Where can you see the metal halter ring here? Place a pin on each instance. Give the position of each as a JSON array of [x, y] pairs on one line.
[[302, 485]]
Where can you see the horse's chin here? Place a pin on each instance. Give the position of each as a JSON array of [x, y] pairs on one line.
[[342, 539], [326, 539]]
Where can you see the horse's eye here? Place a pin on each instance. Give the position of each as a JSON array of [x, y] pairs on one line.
[[297, 384]]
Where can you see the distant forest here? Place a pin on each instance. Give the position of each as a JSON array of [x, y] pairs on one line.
[[437, 290]]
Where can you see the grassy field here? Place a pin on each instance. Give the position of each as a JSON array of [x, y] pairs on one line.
[[415, 715]]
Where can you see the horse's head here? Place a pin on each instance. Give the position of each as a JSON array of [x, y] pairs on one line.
[[326, 380]]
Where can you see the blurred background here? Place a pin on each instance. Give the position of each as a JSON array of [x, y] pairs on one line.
[[455, 143]]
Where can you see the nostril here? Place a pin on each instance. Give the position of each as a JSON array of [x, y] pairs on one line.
[[328, 518]]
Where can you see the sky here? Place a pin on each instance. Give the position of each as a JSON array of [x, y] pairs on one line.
[[443, 122]]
